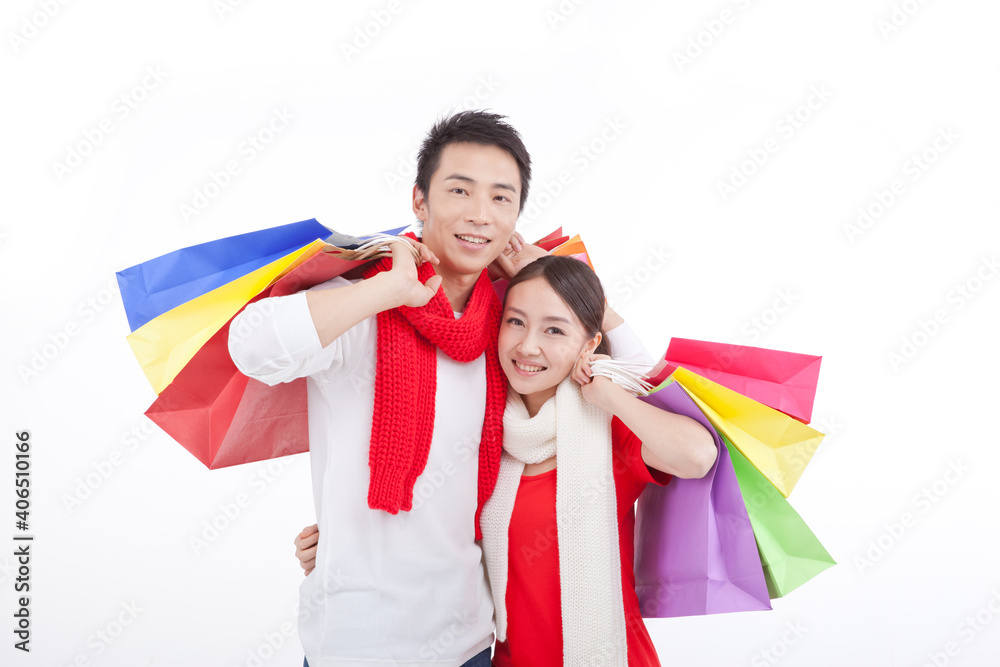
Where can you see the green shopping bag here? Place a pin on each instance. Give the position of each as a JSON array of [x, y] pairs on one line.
[[790, 553]]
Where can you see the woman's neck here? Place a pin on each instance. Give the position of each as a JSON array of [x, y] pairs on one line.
[[534, 402]]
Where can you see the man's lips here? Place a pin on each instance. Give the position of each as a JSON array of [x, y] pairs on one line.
[[473, 240]]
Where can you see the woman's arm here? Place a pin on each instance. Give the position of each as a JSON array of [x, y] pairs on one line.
[[671, 443]]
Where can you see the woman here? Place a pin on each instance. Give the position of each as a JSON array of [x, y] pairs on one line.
[[558, 539]]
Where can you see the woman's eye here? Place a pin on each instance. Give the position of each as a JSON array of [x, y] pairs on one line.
[[555, 330], [514, 321]]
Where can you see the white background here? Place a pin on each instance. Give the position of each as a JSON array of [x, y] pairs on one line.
[[673, 130]]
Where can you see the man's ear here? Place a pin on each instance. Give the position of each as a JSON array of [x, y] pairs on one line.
[[419, 204]]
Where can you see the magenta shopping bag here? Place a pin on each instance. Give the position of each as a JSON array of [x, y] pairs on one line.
[[695, 551]]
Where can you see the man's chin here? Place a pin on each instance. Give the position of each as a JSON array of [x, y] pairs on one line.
[[464, 265]]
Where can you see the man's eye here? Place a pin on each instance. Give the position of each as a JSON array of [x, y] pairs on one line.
[[459, 190], [503, 197]]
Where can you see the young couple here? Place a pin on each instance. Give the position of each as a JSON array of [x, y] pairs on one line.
[[437, 416]]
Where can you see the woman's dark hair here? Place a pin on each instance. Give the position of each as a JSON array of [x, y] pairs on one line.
[[576, 284], [474, 127]]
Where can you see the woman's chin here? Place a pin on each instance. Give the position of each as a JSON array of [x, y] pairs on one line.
[[529, 386]]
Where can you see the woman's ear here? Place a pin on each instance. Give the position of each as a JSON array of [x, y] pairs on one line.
[[593, 343]]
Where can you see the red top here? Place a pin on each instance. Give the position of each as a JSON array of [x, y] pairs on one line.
[[534, 608]]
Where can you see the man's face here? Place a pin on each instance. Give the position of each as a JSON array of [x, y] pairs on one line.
[[471, 207]]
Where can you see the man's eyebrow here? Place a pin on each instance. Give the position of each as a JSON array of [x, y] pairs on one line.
[[544, 319], [467, 179]]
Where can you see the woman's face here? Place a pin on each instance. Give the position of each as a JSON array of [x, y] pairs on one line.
[[540, 340]]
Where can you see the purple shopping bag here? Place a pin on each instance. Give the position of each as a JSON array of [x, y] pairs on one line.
[[695, 551]]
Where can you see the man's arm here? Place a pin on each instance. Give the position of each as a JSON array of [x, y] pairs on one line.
[[283, 338], [335, 311]]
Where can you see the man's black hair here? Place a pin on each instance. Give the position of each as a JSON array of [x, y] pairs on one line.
[[475, 127]]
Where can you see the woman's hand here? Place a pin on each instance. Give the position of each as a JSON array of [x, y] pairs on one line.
[[306, 543], [597, 390], [514, 257]]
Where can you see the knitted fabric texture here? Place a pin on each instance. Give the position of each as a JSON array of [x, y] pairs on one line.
[[579, 435], [406, 385]]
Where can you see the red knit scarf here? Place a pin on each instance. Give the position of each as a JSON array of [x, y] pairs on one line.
[[406, 386]]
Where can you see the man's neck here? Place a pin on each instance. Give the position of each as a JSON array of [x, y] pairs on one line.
[[457, 288]]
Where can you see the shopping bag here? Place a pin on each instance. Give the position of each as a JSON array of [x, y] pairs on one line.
[[789, 551], [779, 446], [785, 381], [153, 287], [695, 551], [164, 345], [574, 248], [225, 418]]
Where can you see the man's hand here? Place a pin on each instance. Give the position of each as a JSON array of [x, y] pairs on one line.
[[305, 547], [403, 274], [514, 257]]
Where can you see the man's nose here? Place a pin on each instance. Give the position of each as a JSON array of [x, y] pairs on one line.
[[481, 210]]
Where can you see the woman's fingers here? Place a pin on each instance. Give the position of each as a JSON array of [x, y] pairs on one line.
[[306, 545]]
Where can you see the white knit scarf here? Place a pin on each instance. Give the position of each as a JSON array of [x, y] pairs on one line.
[[590, 573]]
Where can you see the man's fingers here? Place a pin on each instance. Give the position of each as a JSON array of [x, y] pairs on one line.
[[427, 255], [434, 283]]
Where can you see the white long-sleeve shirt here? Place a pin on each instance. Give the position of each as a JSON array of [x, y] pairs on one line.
[[404, 589]]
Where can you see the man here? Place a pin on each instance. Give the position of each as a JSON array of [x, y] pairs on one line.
[[405, 400]]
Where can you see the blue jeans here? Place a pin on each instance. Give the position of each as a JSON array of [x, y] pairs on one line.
[[481, 660]]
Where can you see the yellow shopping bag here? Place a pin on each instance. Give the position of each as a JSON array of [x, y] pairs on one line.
[[777, 445], [165, 344]]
